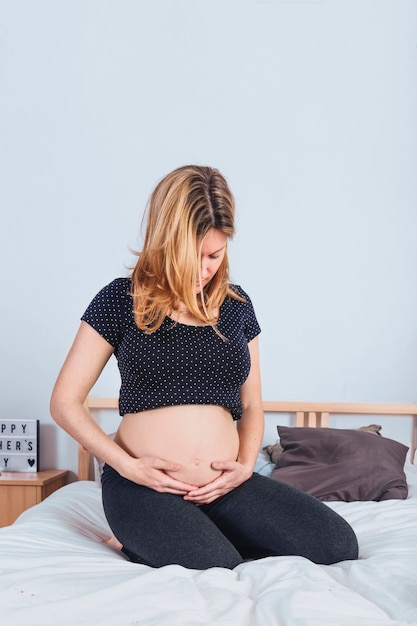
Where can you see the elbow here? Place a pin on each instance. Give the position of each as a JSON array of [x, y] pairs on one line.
[[62, 405], [55, 406]]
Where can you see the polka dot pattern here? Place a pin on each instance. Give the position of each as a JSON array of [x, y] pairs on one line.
[[178, 363]]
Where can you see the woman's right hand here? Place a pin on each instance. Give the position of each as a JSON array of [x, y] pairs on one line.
[[152, 472]]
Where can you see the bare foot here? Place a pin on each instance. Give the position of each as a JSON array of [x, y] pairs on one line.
[[113, 543]]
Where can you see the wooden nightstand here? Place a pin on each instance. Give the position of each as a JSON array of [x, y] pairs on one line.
[[21, 490]]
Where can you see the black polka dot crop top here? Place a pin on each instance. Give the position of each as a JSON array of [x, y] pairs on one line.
[[178, 363]]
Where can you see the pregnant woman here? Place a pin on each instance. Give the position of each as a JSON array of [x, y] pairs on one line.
[[178, 482]]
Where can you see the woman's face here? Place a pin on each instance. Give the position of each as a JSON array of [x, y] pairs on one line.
[[213, 249]]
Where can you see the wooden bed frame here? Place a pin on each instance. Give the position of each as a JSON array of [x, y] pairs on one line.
[[313, 414]]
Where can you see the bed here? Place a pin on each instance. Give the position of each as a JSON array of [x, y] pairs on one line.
[[56, 569]]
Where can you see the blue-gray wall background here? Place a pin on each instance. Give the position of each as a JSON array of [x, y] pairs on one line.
[[309, 110]]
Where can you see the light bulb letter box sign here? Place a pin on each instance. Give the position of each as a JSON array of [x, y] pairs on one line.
[[19, 445]]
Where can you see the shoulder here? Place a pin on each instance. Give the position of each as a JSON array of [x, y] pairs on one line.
[[113, 297], [240, 292], [242, 308], [110, 311], [120, 286], [242, 302], [116, 291]]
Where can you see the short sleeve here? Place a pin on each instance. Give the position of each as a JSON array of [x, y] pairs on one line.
[[106, 313], [251, 327]]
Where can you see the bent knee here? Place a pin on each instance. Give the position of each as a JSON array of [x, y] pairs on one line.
[[343, 547]]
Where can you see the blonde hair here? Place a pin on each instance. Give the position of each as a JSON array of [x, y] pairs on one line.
[[184, 206]]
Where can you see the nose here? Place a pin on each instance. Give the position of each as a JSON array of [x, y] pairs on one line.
[[205, 269]]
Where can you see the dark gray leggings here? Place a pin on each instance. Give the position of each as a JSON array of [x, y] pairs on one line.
[[262, 517]]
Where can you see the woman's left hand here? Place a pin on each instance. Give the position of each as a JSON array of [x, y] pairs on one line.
[[233, 474]]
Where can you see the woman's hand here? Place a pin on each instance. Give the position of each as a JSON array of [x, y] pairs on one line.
[[233, 474], [152, 472]]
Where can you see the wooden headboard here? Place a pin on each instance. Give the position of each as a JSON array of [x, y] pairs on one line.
[[313, 414]]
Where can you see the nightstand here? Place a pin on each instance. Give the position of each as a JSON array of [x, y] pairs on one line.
[[21, 490]]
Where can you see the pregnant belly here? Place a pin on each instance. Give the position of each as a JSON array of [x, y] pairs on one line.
[[197, 472], [192, 436]]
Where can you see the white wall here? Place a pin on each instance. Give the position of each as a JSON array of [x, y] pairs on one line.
[[308, 108]]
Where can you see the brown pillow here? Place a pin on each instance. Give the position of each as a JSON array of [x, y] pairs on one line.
[[338, 464], [275, 450]]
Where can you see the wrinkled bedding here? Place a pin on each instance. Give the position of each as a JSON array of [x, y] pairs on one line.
[[55, 569]]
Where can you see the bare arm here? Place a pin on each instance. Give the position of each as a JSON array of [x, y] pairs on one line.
[[86, 359], [250, 429], [251, 424]]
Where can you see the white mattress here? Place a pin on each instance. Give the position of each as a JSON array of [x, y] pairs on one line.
[[56, 570]]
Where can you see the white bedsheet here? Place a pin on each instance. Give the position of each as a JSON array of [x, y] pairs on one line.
[[55, 570]]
